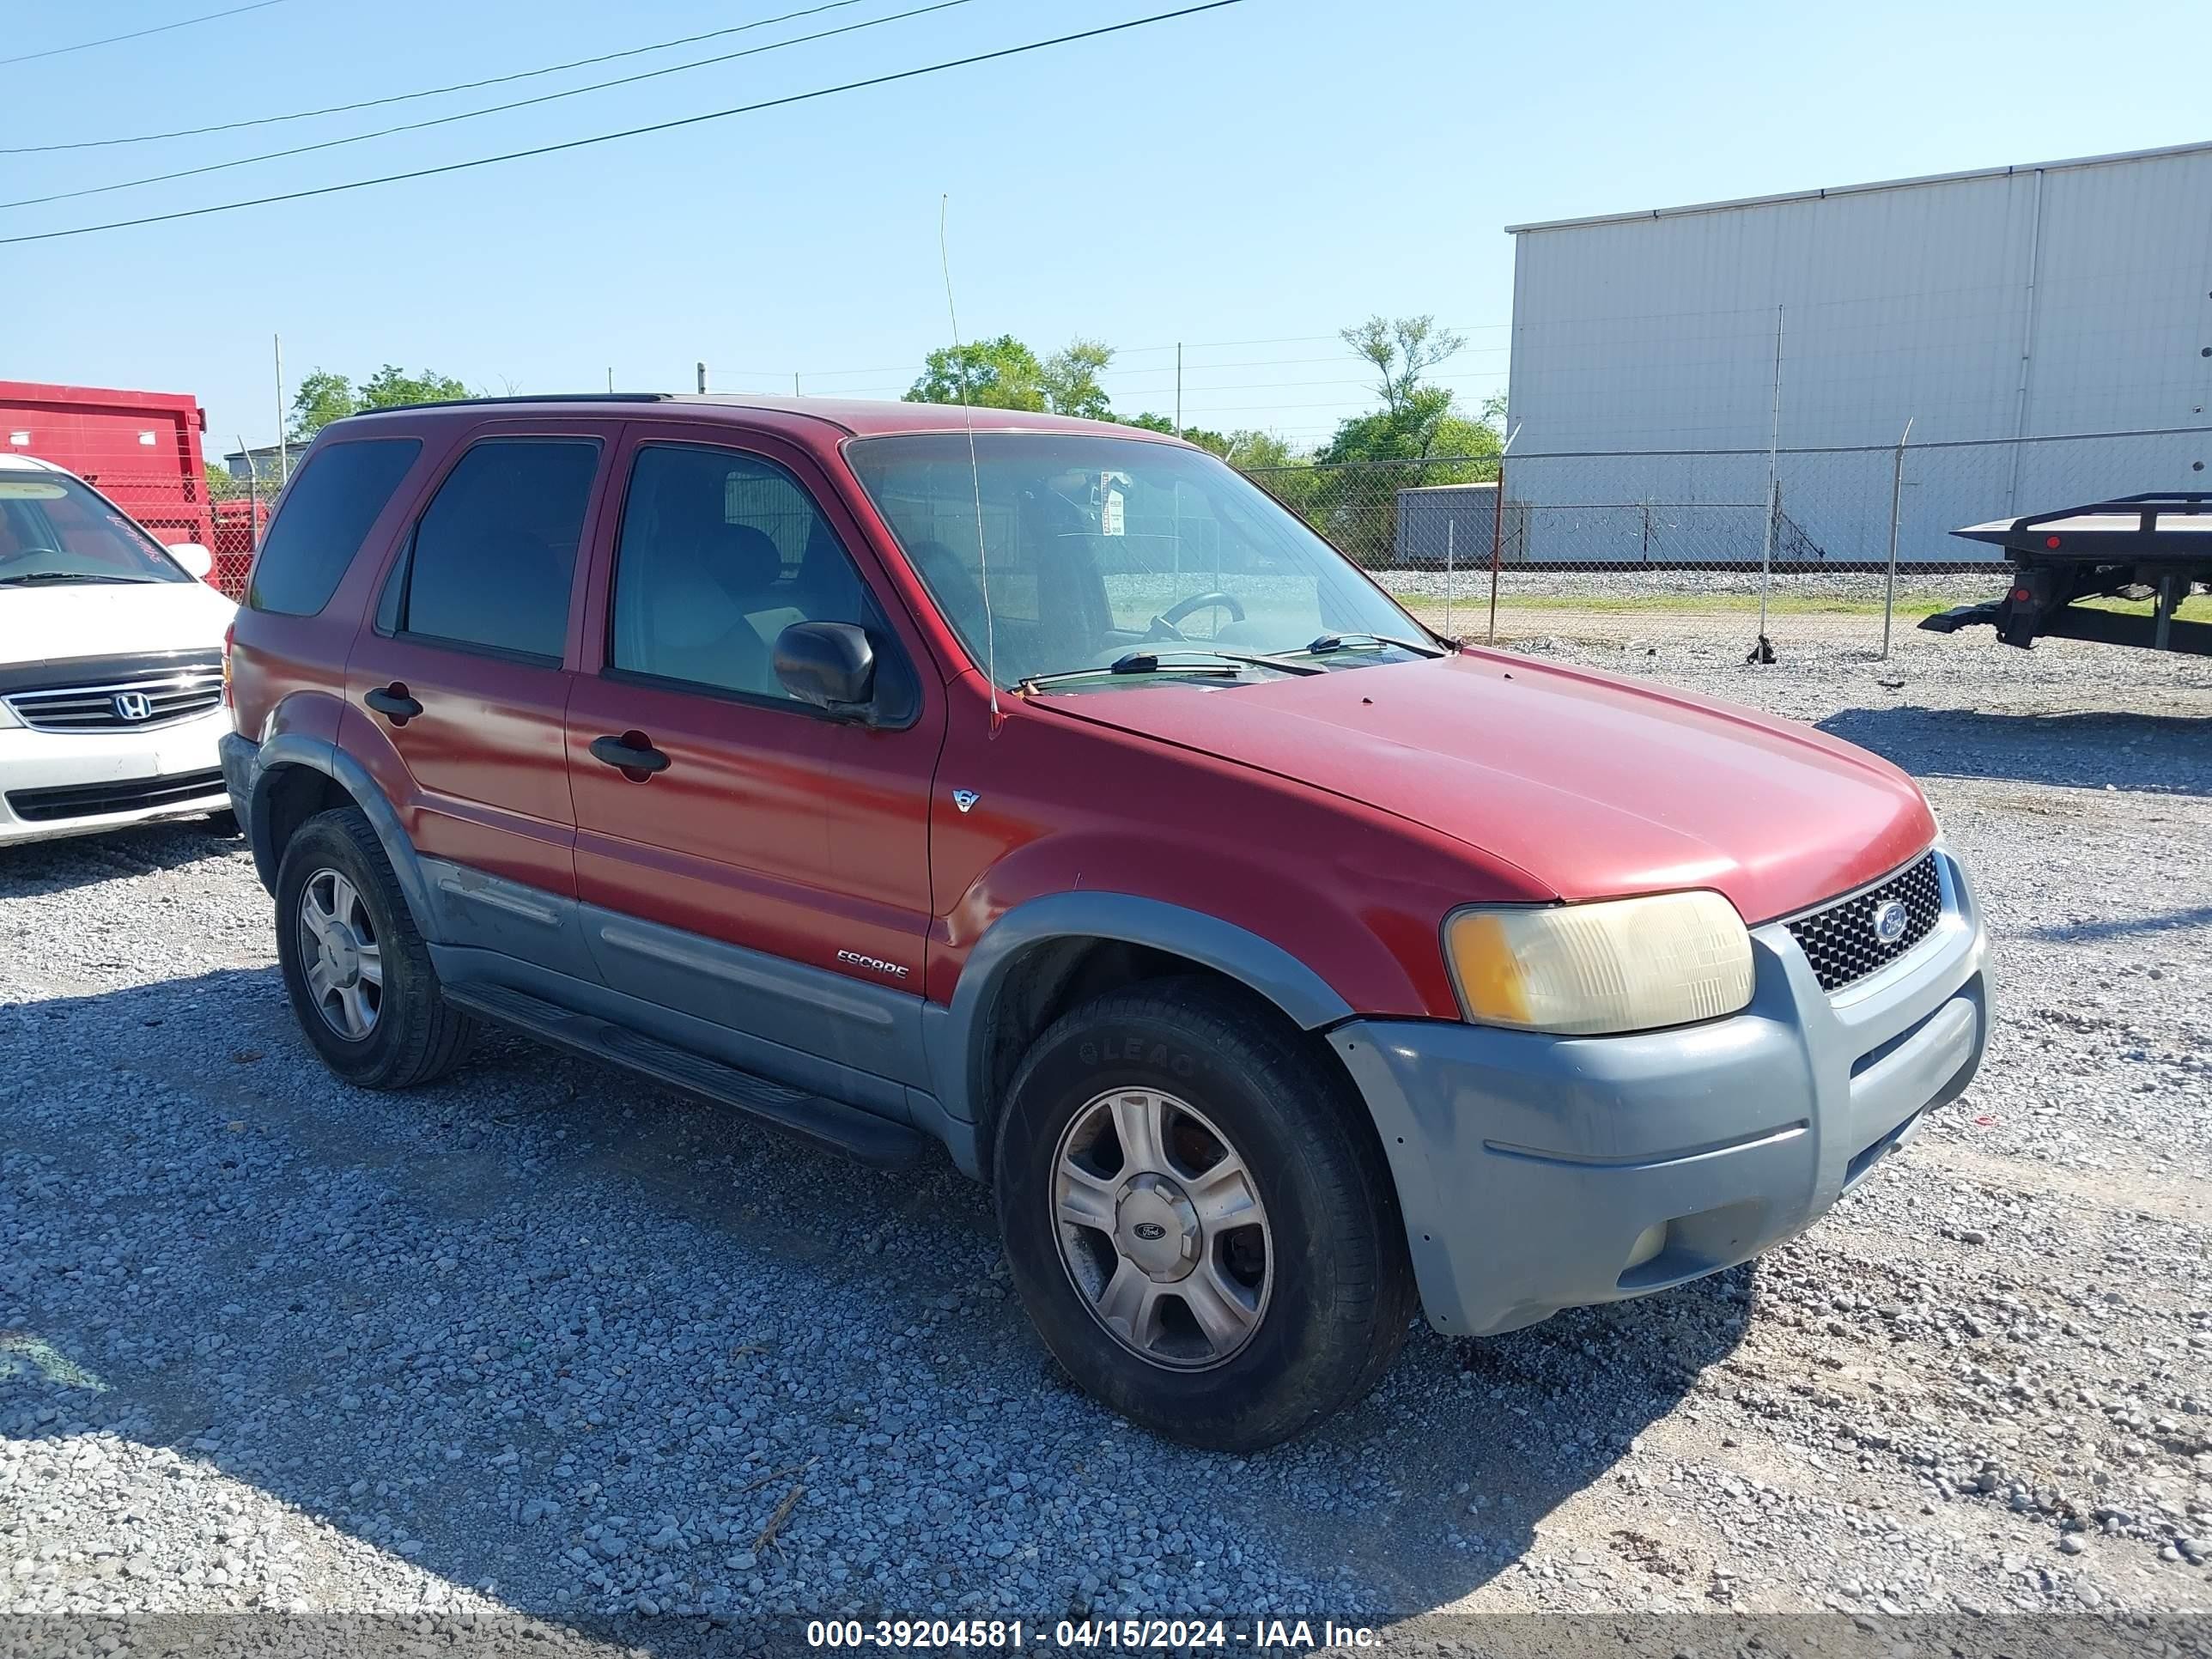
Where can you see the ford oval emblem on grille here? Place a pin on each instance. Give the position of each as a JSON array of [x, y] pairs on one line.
[[1889, 921], [133, 706]]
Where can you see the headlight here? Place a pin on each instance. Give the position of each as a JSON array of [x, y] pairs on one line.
[[1621, 965], [8, 717]]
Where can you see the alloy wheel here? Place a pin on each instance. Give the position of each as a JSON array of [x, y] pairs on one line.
[[1161, 1229], [339, 957]]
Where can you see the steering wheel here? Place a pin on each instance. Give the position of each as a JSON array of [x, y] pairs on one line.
[[1164, 625], [23, 553]]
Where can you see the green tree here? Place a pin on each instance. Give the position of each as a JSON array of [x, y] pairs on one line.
[[320, 399], [323, 396], [1402, 350], [1071, 380], [1244, 448], [1417, 437], [1428, 432], [1252, 450], [1000, 373], [1005, 373], [391, 386]]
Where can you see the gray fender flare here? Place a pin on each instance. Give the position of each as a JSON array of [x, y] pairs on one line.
[[953, 1037], [321, 755]]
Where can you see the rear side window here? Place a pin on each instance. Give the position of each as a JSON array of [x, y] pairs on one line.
[[326, 512], [493, 555]]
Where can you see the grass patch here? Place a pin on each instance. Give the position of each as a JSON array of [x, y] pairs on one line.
[[2198, 608]]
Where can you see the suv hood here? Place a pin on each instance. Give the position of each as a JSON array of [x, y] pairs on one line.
[[1595, 786], [109, 619]]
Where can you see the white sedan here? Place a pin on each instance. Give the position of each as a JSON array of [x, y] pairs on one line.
[[110, 665]]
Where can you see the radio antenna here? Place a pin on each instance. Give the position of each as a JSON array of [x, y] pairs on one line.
[[974, 472]]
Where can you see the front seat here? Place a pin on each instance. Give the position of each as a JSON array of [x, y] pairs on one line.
[[695, 573]]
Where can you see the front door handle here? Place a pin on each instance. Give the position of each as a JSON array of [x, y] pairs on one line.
[[393, 703], [631, 754]]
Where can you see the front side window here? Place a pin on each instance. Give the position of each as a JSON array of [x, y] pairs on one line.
[[494, 555], [322, 520], [720, 552], [56, 530], [1102, 549]]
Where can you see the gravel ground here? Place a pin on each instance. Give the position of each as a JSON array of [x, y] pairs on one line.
[[543, 1340]]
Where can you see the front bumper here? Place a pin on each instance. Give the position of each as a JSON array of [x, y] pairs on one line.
[[1537, 1173], [57, 783]]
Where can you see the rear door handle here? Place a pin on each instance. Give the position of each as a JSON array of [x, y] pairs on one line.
[[393, 703], [631, 754]]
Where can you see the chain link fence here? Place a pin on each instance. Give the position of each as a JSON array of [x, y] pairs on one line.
[[1616, 547], [1713, 547]]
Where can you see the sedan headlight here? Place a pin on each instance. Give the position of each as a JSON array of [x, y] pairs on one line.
[[1619, 965], [7, 716]]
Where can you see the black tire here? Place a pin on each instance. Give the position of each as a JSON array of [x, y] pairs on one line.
[[416, 1037], [1341, 1291]]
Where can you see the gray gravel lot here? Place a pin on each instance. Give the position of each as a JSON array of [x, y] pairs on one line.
[[544, 1339]]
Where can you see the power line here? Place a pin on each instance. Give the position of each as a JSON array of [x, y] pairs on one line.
[[490, 109], [427, 92], [627, 132], [138, 34]]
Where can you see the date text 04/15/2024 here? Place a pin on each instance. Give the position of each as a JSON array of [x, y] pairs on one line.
[[1104, 1635]]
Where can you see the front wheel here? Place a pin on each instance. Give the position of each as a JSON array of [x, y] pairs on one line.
[[1198, 1219]]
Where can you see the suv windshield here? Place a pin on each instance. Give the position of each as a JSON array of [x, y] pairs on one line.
[[1106, 551], [55, 531]]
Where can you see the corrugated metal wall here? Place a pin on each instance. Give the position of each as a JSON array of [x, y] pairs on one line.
[[2076, 297]]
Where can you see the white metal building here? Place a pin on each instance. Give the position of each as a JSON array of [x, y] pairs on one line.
[[2006, 304]]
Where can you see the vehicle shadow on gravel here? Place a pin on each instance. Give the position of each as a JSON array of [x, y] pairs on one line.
[[545, 1328], [74, 861], [2155, 753], [1479, 1444]]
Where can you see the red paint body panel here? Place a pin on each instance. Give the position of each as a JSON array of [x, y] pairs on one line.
[[1340, 817], [1068, 803], [771, 829], [480, 777], [1595, 786]]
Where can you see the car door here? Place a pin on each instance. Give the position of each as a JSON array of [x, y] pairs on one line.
[[773, 876], [457, 688]]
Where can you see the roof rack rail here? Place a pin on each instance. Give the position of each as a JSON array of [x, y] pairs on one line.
[[528, 397]]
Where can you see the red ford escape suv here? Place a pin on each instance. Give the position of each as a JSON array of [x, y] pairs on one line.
[[1049, 791]]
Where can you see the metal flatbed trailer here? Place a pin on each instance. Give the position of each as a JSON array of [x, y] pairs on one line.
[[2162, 542]]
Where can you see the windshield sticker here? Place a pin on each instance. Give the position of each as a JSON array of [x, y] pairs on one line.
[[11, 490]]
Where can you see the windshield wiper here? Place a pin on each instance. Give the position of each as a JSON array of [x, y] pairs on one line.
[[1137, 662], [1226, 665], [1328, 643], [30, 578]]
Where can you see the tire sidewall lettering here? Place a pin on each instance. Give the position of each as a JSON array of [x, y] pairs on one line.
[[1134, 1048]]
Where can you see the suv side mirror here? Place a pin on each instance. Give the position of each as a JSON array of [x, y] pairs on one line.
[[195, 559], [829, 664]]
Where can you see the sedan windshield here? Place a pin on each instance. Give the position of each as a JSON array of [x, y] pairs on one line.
[[1120, 554], [54, 531]]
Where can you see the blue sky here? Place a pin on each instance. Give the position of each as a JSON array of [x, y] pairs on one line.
[[1246, 181]]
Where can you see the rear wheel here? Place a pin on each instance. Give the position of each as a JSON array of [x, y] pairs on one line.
[[1198, 1219], [357, 971]]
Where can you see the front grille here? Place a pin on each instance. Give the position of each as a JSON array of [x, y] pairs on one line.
[[1839, 940], [129, 703], [89, 800]]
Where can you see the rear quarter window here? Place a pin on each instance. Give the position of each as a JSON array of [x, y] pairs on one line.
[[326, 515]]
